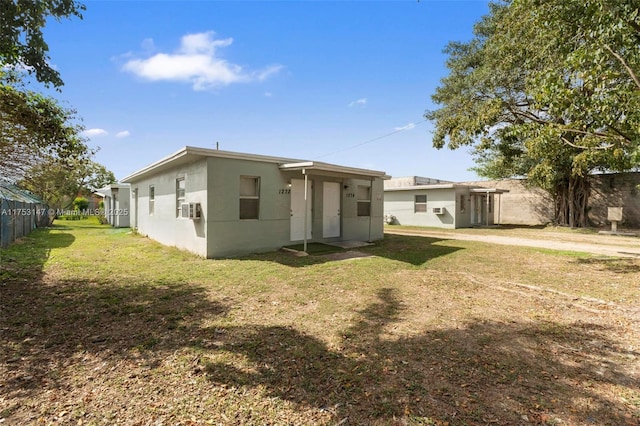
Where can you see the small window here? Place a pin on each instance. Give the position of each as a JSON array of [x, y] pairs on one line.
[[420, 204], [462, 203], [152, 199], [489, 202], [180, 194], [364, 200], [249, 197]]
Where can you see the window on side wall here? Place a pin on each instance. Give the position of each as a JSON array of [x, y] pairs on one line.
[[180, 194], [152, 199], [249, 197], [462, 203], [364, 200], [420, 203]]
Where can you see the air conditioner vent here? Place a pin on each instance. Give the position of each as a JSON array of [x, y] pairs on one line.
[[191, 211]]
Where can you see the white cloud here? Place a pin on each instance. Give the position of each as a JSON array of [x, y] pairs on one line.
[[268, 94], [123, 134], [196, 62], [407, 127], [359, 102], [95, 132], [267, 72], [148, 45]]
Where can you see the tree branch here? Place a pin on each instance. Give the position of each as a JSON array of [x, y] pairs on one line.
[[632, 74], [565, 140]]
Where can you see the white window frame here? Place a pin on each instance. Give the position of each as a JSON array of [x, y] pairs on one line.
[[253, 196], [420, 206], [152, 199], [362, 201], [181, 194]]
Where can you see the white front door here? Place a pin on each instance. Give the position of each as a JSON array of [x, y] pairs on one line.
[[331, 210], [297, 209]]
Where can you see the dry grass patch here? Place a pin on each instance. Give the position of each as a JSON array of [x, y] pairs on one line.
[[98, 326]]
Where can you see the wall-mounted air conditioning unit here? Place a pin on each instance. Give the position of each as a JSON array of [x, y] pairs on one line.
[[438, 210], [190, 211]]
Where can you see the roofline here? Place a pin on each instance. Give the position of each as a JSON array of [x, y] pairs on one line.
[[432, 186], [334, 168], [448, 186], [102, 191], [488, 190], [281, 161]]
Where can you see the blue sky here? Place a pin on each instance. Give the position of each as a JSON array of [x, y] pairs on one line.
[[312, 80]]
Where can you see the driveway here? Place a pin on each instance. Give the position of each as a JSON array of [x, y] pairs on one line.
[[607, 245]]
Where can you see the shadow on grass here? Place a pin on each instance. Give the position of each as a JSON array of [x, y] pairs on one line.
[[44, 322], [24, 259], [42, 325], [410, 249], [484, 373], [403, 248], [615, 265]]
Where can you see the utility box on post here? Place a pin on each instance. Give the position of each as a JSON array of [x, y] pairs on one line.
[[614, 215]]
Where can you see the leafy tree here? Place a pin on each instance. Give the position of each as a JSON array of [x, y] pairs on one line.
[[80, 203], [541, 94], [22, 43], [34, 129], [58, 182]]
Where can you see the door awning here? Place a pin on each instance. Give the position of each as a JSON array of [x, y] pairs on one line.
[[333, 170]]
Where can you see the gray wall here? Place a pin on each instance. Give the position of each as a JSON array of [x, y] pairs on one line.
[[230, 236], [401, 205], [523, 205], [117, 206], [362, 228], [215, 183], [163, 225]]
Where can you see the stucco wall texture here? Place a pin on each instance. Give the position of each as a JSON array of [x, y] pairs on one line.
[[532, 206]]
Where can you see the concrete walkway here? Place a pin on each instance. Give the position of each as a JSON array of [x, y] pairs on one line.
[[596, 244]]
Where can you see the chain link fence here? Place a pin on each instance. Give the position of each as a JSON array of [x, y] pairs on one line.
[[20, 213]]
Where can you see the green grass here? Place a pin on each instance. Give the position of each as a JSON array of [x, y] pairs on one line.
[[102, 326]]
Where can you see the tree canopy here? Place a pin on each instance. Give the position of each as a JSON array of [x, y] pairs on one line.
[[541, 94], [22, 43], [41, 143], [33, 129], [58, 182]]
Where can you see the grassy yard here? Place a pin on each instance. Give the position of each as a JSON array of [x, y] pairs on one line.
[[99, 326], [552, 233]]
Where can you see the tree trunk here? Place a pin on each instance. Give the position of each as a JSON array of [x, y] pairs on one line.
[[572, 202]]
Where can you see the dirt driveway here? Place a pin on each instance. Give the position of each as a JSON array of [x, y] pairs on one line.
[[607, 245]]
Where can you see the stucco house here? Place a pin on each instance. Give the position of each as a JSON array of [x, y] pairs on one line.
[[116, 198], [419, 201], [219, 203]]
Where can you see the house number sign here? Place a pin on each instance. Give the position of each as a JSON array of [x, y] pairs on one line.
[[284, 191]]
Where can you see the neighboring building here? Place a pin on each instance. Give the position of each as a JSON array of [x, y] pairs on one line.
[[525, 205], [442, 205], [116, 198], [219, 203], [405, 181], [514, 203], [20, 213]]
